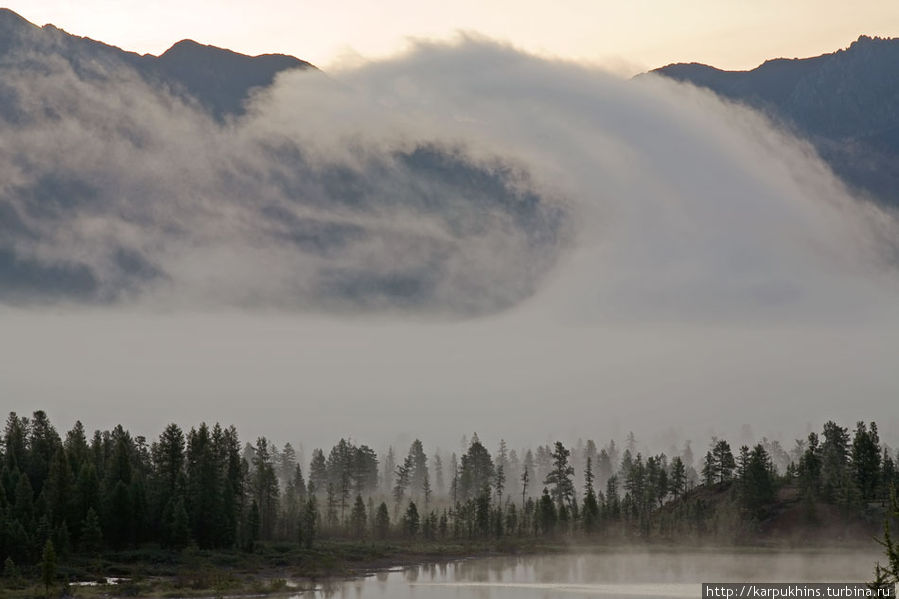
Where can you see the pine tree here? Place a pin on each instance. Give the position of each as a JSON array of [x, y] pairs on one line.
[[318, 470], [709, 473], [834, 459], [426, 491], [525, 479], [265, 488], [547, 514], [119, 516], [724, 461], [591, 506], [168, 473], [418, 471], [91, 533], [890, 574], [411, 520], [403, 476], [389, 470], [203, 487], [499, 483], [678, 478], [810, 467], [58, 489], [62, 540], [48, 566], [382, 521], [757, 490], [476, 470], [560, 476], [358, 518], [180, 526], [438, 475], [10, 572], [310, 521], [866, 459]]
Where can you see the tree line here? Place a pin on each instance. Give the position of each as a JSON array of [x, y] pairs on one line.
[[112, 490]]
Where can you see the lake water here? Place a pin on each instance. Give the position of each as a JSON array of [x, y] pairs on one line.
[[632, 575]]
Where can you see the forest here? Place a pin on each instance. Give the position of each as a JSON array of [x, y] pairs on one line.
[[82, 496]]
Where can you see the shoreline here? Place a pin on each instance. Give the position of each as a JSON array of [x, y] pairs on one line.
[[273, 572]]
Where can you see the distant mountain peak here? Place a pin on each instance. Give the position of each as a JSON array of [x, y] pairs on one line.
[[192, 48], [11, 18], [217, 78], [844, 102]]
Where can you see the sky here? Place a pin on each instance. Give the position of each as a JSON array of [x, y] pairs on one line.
[[627, 37]]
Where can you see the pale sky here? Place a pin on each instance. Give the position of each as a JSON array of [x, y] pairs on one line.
[[627, 36]]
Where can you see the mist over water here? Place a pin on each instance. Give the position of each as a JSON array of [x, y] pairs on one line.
[[634, 573], [660, 261]]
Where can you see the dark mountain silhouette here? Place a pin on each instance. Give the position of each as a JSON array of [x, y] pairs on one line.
[[846, 103], [219, 79]]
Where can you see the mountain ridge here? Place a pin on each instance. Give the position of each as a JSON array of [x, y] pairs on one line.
[[846, 103], [219, 78]]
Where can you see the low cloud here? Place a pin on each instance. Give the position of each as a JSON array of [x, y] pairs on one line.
[[641, 255]]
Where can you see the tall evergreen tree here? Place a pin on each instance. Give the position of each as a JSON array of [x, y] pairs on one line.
[[866, 459], [476, 470], [358, 518], [382, 521], [48, 566], [559, 478], [591, 506]]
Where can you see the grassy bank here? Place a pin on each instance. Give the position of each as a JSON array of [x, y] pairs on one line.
[[154, 572]]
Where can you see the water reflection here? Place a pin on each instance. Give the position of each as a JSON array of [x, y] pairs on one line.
[[633, 574]]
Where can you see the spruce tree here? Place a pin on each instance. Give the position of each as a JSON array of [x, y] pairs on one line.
[[310, 521], [180, 526], [48, 566], [547, 514], [411, 520], [91, 533], [559, 477], [866, 459], [382, 521], [591, 507], [358, 518], [678, 479]]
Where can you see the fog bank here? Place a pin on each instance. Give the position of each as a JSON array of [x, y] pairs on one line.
[[578, 255]]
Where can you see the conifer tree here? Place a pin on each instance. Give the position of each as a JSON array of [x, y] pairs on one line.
[[591, 506], [382, 521], [547, 514], [866, 459], [48, 566], [310, 521], [91, 533], [411, 520], [678, 478], [559, 477], [358, 518]]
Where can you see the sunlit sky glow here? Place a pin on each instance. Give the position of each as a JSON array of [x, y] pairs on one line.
[[627, 37]]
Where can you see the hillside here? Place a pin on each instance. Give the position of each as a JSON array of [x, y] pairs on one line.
[[846, 103], [219, 79], [714, 514]]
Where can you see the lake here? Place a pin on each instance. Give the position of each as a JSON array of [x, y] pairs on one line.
[[633, 574]]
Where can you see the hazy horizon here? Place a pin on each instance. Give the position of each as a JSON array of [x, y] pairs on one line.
[[624, 38]]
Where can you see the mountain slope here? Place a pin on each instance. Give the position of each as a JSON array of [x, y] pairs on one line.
[[125, 176], [846, 103], [219, 79]]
